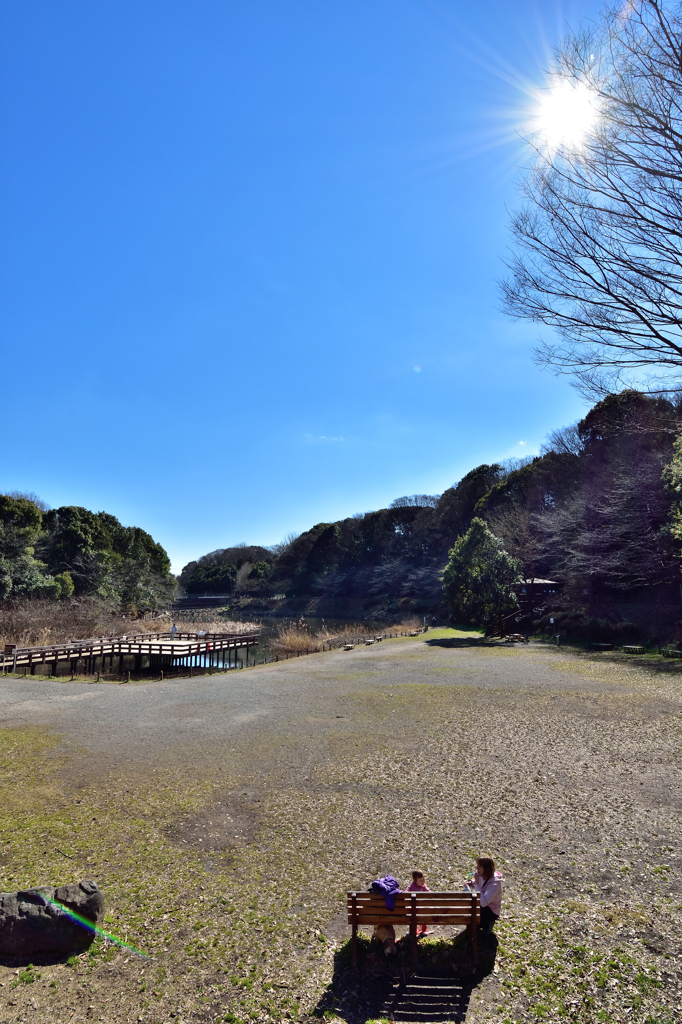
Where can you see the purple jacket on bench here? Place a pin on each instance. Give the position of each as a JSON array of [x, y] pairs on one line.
[[388, 888]]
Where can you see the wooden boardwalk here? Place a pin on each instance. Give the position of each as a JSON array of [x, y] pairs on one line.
[[159, 648]]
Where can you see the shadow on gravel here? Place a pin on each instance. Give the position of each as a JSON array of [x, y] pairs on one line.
[[462, 641], [381, 987]]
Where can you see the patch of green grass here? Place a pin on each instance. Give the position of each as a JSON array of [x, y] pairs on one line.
[[27, 976]]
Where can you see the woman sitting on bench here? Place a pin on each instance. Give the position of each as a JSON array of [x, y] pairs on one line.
[[488, 882]]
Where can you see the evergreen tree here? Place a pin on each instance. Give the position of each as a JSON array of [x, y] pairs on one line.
[[478, 581]]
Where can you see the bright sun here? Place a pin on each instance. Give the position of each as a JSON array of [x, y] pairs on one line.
[[565, 115]]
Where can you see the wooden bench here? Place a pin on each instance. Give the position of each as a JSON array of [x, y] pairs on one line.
[[670, 652], [633, 649], [348, 647], [517, 638], [413, 909]]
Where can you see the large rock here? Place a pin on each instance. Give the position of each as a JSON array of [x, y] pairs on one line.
[[30, 923]]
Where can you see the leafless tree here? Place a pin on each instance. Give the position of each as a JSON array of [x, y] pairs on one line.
[[563, 441], [416, 501], [516, 526], [599, 235], [612, 529], [29, 496], [512, 465], [284, 544]]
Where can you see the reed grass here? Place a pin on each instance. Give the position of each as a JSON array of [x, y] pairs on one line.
[[295, 638], [39, 623], [192, 620]]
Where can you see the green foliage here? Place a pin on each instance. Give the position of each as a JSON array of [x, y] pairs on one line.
[[66, 584], [457, 505], [479, 578], [212, 579], [29, 975], [672, 476], [217, 571], [21, 574], [79, 552], [106, 559], [20, 525]]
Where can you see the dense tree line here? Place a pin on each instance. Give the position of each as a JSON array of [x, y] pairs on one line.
[[69, 551], [598, 511], [242, 567]]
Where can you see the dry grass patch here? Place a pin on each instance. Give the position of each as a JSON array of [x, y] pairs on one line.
[[41, 622]]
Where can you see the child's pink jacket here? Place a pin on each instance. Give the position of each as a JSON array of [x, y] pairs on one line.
[[413, 887]]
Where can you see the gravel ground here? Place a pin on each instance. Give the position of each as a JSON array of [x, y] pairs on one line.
[[224, 817]]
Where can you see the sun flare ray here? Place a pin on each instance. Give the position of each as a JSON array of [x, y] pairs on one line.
[[566, 114]]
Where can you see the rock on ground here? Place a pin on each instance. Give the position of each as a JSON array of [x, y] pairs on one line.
[[30, 922]]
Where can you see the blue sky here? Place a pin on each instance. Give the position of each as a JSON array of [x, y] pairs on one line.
[[250, 255]]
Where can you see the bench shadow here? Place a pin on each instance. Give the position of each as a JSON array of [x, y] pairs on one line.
[[384, 987]]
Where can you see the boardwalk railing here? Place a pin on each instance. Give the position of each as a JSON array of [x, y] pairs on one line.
[[179, 646]]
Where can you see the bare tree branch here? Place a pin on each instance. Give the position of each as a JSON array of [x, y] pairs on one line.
[[599, 234]]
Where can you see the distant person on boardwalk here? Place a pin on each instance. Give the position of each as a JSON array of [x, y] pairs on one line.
[[488, 882], [418, 884], [174, 630]]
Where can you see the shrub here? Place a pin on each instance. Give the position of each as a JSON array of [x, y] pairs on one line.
[[66, 584]]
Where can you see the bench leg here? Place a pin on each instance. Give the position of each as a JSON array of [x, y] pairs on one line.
[[473, 927], [415, 947], [354, 943]]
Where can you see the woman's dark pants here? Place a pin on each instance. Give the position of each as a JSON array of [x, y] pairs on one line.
[[488, 919]]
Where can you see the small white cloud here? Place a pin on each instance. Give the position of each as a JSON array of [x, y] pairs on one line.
[[417, 369]]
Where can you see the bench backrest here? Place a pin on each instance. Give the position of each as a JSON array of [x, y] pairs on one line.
[[444, 908]]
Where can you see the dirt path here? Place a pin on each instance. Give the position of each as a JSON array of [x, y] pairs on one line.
[[225, 816]]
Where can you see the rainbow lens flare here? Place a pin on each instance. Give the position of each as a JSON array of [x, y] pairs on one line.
[[92, 927]]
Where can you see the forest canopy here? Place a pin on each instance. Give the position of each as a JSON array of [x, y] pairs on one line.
[[71, 551], [597, 513]]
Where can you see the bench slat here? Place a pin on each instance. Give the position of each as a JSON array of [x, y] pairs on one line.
[[424, 908], [422, 916], [406, 919], [373, 911], [400, 904], [437, 894], [444, 908], [400, 899]]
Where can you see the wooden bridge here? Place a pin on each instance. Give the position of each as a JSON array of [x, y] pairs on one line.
[[157, 649]]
